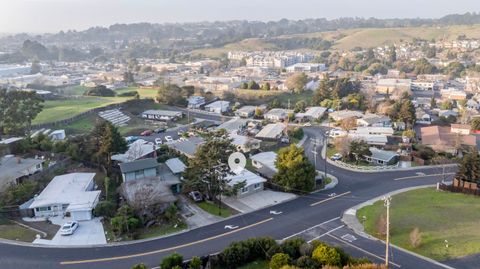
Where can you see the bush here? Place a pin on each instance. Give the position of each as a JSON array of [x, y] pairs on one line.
[[128, 94], [279, 260], [105, 209], [235, 255], [100, 90], [195, 263], [326, 255], [292, 247], [171, 261], [307, 263]]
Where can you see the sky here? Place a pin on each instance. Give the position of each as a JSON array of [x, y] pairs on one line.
[[38, 16]]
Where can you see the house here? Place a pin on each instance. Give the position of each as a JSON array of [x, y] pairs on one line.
[[162, 115], [264, 163], [382, 157], [472, 105], [388, 131], [235, 125], [139, 149], [442, 139], [272, 131], [176, 166], [345, 114], [187, 147], [391, 85], [218, 107], [196, 101], [253, 182], [57, 135], [463, 129], [306, 67], [276, 114], [170, 173], [371, 139], [70, 194], [244, 143], [453, 94], [311, 114], [14, 169], [374, 120], [140, 169], [246, 111]]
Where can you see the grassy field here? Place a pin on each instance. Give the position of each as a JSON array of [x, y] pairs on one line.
[[143, 92], [346, 39], [258, 97], [63, 109], [11, 231], [213, 209], [439, 216], [256, 265]]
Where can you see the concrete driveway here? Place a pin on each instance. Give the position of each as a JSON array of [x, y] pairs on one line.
[[88, 233], [257, 200]]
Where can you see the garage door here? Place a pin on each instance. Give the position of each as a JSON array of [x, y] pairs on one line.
[[82, 215]]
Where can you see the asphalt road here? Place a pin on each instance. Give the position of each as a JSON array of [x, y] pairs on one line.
[[298, 216]]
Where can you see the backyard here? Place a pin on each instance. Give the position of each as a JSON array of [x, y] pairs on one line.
[[426, 209]]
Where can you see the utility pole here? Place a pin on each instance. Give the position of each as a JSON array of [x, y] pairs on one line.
[[315, 144], [387, 200]]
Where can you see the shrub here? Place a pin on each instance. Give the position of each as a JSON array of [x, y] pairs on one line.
[[307, 262], [195, 263], [258, 247], [100, 90], [106, 209], [128, 94], [292, 247], [327, 255], [415, 238], [279, 260], [139, 266], [235, 255], [305, 249], [273, 250], [171, 261]]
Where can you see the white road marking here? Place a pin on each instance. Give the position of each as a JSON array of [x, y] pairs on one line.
[[362, 250], [313, 227], [231, 227], [348, 237], [332, 230], [331, 198], [273, 212], [431, 175]]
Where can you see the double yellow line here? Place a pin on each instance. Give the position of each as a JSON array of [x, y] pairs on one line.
[[165, 249]]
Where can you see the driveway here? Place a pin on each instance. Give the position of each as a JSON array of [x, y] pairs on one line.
[[195, 216], [88, 233], [257, 200]]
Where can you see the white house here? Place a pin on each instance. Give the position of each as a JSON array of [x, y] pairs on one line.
[[253, 182], [374, 120], [272, 131], [246, 111], [218, 107], [276, 114], [312, 113], [162, 115], [244, 143], [196, 101], [70, 194], [57, 135], [264, 163]]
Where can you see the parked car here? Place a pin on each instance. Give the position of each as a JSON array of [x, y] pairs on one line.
[[168, 138], [131, 139], [336, 157], [285, 140], [180, 133], [160, 130], [158, 141], [196, 196], [146, 133], [69, 228]]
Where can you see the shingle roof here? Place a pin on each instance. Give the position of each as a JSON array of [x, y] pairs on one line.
[[138, 165]]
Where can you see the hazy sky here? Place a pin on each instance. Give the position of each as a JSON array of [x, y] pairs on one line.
[[55, 15]]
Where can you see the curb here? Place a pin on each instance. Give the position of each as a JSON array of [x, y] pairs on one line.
[[349, 218]]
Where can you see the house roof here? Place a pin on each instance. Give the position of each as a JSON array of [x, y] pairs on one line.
[[312, 112], [442, 136], [218, 104], [167, 113], [279, 112], [460, 126], [138, 165], [233, 125], [187, 147], [244, 175], [176, 165], [12, 168], [241, 140], [136, 150], [68, 189], [266, 158], [272, 130], [10, 140], [374, 118], [382, 155]]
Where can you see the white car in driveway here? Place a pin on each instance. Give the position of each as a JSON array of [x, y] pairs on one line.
[[69, 228], [168, 138], [158, 141]]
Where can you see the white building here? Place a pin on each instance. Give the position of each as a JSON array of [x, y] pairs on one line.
[[276, 114], [196, 101], [272, 131], [306, 67], [218, 107], [312, 113], [70, 194], [162, 115], [253, 182]]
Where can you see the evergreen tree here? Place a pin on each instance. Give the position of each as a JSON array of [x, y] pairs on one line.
[[295, 172]]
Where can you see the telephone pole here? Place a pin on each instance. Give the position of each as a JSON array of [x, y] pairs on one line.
[[387, 200]]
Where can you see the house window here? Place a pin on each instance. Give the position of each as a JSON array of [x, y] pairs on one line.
[[244, 190], [44, 208], [257, 186]]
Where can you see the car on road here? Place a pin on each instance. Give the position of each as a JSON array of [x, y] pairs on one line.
[[69, 228], [196, 196], [146, 133], [160, 130], [336, 157], [158, 141], [307, 124], [168, 138]]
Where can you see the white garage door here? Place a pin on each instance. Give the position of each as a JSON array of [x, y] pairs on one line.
[[82, 215]]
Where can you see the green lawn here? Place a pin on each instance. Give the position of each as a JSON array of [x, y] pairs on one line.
[[256, 265], [12, 231], [157, 231], [143, 92], [213, 209], [82, 126], [54, 110], [440, 216]]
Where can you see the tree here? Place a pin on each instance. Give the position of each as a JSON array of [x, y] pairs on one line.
[[295, 172], [100, 90], [139, 266], [475, 123], [266, 86], [105, 209], [171, 261], [128, 78], [195, 263], [252, 85], [297, 82], [454, 69], [323, 91], [35, 67], [327, 255], [433, 103], [392, 54], [348, 123], [300, 106], [409, 133], [359, 149], [171, 94], [279, 260], [446, 105], [106, 140], [275, 104], [258, 113], [17, 110], [407, 112], [469, 169]]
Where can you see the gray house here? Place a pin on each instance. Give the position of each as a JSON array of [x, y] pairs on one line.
[[253, 182], [382, 157], [141, 169]]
